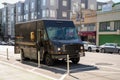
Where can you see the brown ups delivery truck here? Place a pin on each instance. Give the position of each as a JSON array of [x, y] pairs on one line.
[[54, 39]]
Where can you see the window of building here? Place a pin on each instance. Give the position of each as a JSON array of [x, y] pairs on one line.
[[12, 18], [18, 18], [116, 25], [4, 19], [83, 5], [64, 14], [46, 13], [104, 26], [64, 3], [38, 13], [19, 9], [52, 2], [35, 17], [52, 13], [92, 7], [99, 7], [4, 12], [21, 18], [27, 16], [75, 7], [32, 5], [43, 2], [26, 7], [43, 13], [24, 17], [32, 15], [12, 10], [90, 27]]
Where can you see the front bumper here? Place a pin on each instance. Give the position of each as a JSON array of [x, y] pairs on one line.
[[64, 56]]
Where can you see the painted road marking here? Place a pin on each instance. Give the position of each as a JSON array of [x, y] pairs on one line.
[[105, 71], [86, 68], [63, 77]]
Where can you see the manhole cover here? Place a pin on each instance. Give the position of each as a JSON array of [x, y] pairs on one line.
[[103, 64]]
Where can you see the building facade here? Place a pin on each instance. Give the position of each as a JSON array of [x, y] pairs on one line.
[[19, 12], [32, 10], [64, 8], [108, 25], [85, 18], [100, 4], [4, 21], [8, 20], [87, 29], [11, 20], [0, 24], [43, 9], [0, 16], [27, 10]]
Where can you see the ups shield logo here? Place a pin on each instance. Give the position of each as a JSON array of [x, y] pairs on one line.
[[32, 36]]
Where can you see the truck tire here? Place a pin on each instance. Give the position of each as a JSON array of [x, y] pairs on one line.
[[75, 60], [48, 60]]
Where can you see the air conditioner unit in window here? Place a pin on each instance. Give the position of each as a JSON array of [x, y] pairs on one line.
[[118, 32]]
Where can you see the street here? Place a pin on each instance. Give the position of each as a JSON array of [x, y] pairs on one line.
[[94, 66]]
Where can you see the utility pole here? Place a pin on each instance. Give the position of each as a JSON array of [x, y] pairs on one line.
[[80, 13]]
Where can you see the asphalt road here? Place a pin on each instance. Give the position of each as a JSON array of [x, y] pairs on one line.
[[94, 66]]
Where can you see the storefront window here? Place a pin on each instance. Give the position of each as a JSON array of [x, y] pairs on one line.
[[104, 26], [117, 25]]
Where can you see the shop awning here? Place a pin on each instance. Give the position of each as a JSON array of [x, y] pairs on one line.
[[87, 33]]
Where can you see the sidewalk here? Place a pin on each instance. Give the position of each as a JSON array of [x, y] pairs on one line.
[[8, 72], [9, 69]]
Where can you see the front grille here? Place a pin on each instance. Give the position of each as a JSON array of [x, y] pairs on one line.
[[69, 49]]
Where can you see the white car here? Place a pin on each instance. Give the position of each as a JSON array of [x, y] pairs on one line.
[[3, 43], [90, 47]]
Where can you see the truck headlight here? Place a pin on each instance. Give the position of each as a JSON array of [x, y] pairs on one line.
[[59, 49], [81, 47]]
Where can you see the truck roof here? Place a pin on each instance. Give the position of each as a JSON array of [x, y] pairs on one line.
[[44, 20]]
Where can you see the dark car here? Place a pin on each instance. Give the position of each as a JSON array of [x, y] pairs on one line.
[[110, 48]]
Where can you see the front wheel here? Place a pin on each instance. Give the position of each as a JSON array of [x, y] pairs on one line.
[[75, 60], [48, 60]]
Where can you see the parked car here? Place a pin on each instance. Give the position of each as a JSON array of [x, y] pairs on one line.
[[90, 47], [110, 48], [0, 43], [3, 43], [11, 42]]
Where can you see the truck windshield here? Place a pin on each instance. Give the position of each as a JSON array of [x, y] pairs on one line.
[[62, 33]]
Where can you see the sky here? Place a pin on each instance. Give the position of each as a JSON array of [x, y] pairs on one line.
[[14, 1]]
